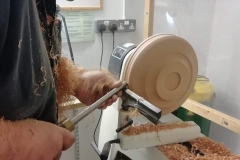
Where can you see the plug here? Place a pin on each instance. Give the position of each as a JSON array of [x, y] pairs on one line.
[[101, 28], [113, 27]]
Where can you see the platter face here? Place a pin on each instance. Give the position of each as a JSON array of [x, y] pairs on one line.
[[163, 70]]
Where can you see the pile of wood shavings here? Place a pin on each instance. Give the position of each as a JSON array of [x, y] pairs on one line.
[[208, 146], [149, 127], [176, 152], [211, 149], [67, 81]]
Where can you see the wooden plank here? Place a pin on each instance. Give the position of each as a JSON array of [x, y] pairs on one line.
[[148, 18], [84, 8], [101, 4], [80, 8], [220, 118], [77, 104]]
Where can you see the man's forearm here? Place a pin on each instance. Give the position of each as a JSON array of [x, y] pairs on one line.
[[32, 139], [14, 138]]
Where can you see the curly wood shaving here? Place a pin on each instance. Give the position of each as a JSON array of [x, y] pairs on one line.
[[35, 91], [51, 53], [44, 77]]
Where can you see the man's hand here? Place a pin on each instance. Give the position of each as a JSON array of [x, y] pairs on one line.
[[31, 139], [95, 85]]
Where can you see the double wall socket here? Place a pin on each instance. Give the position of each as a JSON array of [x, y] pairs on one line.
[[126, 25], [107, 24], [123, 25]]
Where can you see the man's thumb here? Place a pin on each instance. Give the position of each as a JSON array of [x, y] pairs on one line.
[[116, 84], [68, 139]]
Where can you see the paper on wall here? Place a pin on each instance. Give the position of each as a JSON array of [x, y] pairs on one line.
[[80, 25]]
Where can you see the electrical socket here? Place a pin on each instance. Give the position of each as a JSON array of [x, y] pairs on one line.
[[126, 25], [107, 23]]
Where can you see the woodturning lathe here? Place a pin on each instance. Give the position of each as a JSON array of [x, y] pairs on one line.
[[163, 70], [159, 75]]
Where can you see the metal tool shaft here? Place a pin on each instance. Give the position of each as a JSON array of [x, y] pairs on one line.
[[97, 104]]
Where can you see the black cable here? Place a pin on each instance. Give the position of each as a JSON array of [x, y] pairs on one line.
[[96, 128], [113, 29], [102, 52], [113, 39], [67, 35], [94, 137]]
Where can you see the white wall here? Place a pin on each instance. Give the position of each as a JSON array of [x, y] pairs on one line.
[[87, 54], [193, 22], [213, 29], [223, 67]]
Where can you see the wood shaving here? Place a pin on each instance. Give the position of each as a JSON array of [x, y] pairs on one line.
[[19, 43], [42, 27], [149, 127], [49, 19], [211, 149], [35, 91], [134, 113], [44, 77], [56, 21], [51, 53]]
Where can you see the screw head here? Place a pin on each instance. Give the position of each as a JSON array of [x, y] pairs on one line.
[[225, 122]]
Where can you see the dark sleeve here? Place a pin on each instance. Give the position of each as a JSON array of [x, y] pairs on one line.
[[51, 29], [4, 16], [27, 84]]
